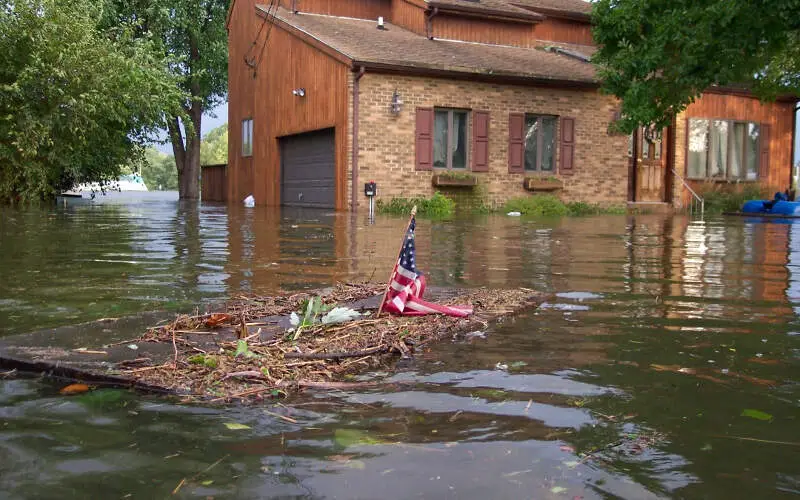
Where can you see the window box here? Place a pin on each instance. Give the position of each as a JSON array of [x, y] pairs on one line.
[[449, 180], [542, 184]]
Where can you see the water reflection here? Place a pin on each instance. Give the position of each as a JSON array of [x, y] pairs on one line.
[[632, 381]]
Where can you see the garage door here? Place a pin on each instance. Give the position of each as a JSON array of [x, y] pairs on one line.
[[308, 170]]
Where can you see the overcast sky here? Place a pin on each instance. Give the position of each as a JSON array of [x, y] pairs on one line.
[[209, 123]]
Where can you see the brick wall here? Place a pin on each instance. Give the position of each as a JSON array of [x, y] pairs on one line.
[[387, 142]]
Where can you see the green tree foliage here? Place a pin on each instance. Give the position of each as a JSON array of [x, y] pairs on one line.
[[158, 171], [76, 102], [191, 33], [214, 149], [659, 55]]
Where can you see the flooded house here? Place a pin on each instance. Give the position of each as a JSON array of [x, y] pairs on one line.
[[493, 98]]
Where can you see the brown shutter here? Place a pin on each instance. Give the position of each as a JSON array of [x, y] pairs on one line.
[[567, 146], [480, 141], [763, 159], [424, 138], [516, 143]]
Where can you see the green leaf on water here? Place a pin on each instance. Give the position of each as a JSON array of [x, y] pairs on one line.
[[557, 489], [354, 437], [517, 364], [207, 483], [236, 427], [102, 398], [757, 414]]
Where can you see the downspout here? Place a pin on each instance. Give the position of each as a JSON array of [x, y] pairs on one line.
[[354, 194], [294, 6], [794, 138], [429, 22]]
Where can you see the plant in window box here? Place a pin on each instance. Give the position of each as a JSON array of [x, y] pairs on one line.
[[453, 178], [541, 183]]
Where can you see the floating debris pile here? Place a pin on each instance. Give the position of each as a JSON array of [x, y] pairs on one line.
[[260, 347]]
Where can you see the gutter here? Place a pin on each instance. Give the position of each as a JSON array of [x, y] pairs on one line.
[[354, 194]]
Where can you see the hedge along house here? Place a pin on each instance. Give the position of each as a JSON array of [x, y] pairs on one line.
[[422, 95]]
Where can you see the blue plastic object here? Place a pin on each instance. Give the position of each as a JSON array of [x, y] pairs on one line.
[[771, 207]]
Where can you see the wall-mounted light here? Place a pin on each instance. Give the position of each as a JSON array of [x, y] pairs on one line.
[[301, 92], [397, 103]]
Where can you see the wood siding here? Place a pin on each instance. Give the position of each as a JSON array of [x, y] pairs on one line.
[[363, 9], [778, 115], [242, 30], [473, 29], [408, 16], [288, 63], [214, 182], [564, 31]]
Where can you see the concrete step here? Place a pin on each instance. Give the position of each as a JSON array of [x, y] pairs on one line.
[[650, 207]]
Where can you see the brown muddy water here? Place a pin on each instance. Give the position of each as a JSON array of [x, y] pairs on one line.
[[665, 366]]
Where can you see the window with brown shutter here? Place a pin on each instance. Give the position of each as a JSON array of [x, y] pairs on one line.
[[567, 149], [424, 139], [516, 142], [763, 170], [480, 141]]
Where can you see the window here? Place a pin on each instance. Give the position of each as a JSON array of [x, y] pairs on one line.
[[450, 138], [247, 137], [723, 150], [540, 143]]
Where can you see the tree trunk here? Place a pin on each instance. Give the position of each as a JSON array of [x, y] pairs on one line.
[[187, 155]]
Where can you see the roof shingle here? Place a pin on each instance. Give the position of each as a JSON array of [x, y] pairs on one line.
[[361, 42]]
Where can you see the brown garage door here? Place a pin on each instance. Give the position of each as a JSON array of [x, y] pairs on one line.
[[308, 170]]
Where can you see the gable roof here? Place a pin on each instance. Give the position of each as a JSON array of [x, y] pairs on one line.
[[360, 43]]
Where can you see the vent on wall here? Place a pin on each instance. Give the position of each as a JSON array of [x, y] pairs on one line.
[[568, 53]]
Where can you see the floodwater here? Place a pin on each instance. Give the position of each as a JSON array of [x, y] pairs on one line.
[[665, 364]]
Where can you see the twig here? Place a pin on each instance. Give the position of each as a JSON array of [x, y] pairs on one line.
[[338, 355], [249, 392], [247, 374], [146, 368], [282, 417], [175, 348], [178, 488], [767, 441], [122, 342], [209, 467]]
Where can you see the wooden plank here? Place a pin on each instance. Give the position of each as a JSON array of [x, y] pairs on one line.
[[408, 16], [474, 29], [564, 31], [363, 9]]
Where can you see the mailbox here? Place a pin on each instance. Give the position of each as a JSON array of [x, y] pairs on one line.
[[370, 189]]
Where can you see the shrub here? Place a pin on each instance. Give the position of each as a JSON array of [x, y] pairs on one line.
[[725, 198], [437, 205], [540, 205]]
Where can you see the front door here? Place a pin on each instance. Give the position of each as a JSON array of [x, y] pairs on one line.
[[650, 169]]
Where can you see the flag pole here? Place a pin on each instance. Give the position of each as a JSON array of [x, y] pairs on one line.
[[389, 283]]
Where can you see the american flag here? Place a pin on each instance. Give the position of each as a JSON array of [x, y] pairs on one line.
[[407, 285]]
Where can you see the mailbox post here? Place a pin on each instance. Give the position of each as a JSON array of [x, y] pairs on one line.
[[370, 191]]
